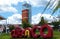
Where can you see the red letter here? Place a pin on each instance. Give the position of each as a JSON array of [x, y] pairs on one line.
[[18, 32], [50, 31], [33, 31]]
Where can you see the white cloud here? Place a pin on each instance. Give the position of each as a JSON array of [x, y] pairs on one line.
[[32, 2], [14, 19], [8, 9], [17, 18], [8, 2], [36, 3], [36, 18], [6, 5]]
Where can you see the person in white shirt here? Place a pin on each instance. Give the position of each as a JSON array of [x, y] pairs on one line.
[[7, 29], [1, 30]]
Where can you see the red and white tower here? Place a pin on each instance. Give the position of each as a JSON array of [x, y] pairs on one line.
[[26, 13]]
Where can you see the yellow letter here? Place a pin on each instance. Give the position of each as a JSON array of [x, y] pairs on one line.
[[27, 33]]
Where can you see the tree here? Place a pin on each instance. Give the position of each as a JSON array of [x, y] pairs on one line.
[[42, 22], [25, 24], [56, 24], [58, 17]]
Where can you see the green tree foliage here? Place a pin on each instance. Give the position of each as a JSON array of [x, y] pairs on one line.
[[59, 18], [25, 24], [11, 27], [59, 22], [56, 24], [42, 22]]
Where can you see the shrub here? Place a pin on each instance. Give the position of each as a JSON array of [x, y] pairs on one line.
[[11, 28]]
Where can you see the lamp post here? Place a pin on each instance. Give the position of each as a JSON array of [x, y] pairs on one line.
[[6, 25]]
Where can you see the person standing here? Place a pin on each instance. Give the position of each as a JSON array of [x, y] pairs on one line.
[[1, 30]]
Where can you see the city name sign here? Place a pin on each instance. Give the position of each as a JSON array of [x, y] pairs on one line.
[[31, 32]]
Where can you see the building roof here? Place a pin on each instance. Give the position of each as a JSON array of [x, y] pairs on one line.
[[2, 18]]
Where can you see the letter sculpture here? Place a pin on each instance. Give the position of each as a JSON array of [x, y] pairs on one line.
[[30, 32]]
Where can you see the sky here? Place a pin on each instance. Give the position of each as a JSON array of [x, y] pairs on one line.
[[12, 10]]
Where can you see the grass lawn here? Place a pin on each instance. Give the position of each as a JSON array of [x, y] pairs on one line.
[[7, 36]]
